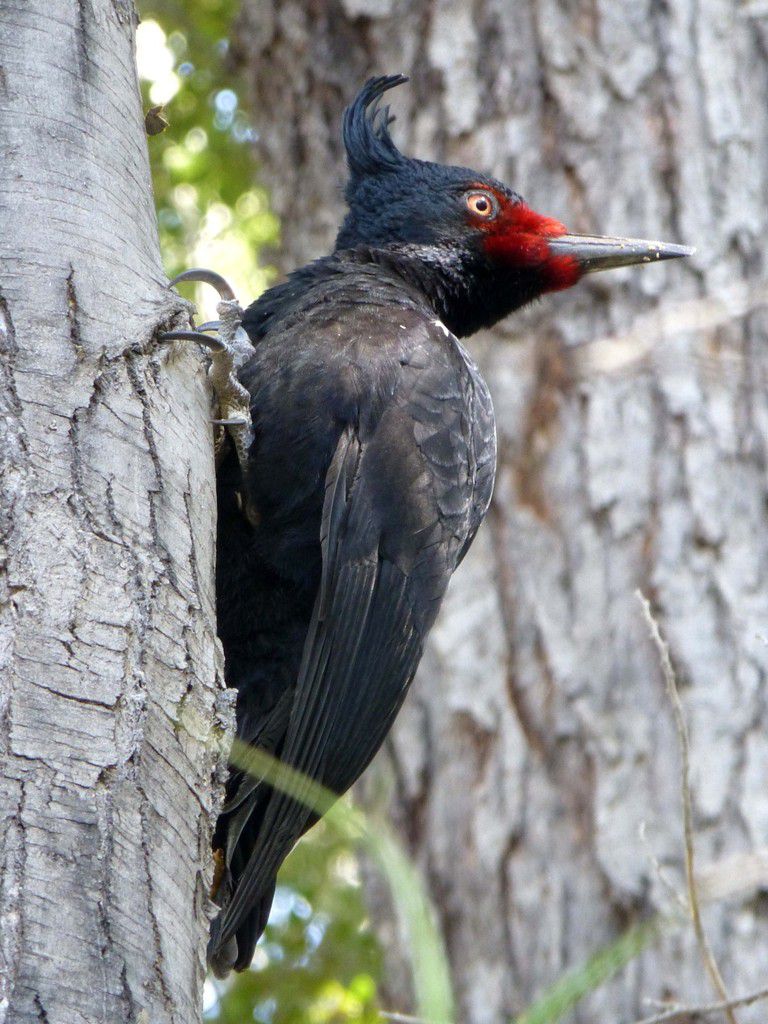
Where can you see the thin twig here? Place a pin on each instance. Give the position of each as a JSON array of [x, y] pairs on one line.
[[685, 787], [688, 1012]]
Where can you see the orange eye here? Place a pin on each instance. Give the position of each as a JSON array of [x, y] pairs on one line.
[[481, 204]]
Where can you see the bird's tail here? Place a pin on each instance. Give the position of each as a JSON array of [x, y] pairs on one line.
[[237, 952]]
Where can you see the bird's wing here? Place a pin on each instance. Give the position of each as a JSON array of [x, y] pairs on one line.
[[401, 500], [385, 567]]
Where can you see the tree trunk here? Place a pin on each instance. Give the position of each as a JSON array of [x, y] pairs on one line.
[[110, 682], [539, 737]]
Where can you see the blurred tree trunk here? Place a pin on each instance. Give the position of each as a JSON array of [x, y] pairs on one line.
[[109, 673], [538, 737]]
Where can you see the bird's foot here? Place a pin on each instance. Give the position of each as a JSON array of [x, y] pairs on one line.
[[230, 349]]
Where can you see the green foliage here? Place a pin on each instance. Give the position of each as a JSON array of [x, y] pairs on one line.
[[210, 210], [318, 961]]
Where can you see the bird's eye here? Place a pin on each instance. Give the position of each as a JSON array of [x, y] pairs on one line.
[[481, 204]]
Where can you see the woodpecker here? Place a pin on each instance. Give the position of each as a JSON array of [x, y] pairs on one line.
[[361, 475]]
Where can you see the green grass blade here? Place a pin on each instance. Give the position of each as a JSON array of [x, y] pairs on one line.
[[575, 985]]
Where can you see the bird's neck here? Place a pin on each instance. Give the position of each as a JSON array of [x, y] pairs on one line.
[[464, 288], [441, 276]]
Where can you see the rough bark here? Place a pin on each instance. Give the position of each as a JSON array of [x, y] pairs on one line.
[[538, 736], [110, 686]]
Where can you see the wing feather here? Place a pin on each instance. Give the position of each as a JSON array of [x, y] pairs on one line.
[[361, 652]]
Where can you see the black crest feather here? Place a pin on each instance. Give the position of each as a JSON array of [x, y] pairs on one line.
[[369, 146]]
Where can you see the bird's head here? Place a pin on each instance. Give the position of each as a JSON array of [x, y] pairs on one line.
[[481, 251]]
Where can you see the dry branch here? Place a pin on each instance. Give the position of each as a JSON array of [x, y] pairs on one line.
[[705, 1010], [685, 790]]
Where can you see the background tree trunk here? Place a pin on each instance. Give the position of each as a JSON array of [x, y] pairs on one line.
[[539, 736], [109, 673]]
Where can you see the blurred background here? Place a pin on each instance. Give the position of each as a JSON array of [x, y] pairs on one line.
[[533, 775]]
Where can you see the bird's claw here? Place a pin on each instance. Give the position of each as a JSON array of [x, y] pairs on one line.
[[229, 349], [214, 344], [206, 277]]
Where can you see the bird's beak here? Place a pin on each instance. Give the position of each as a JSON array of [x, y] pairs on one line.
[[599, 252]]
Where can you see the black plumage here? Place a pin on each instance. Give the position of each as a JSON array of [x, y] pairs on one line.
[[370, 471]]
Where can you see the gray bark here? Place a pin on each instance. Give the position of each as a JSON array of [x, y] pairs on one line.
[[110, 683], [538, 736]]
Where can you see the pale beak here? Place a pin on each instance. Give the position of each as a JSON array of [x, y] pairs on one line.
[[598, 252]]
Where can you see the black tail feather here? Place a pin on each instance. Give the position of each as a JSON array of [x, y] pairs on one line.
[[237, 952]]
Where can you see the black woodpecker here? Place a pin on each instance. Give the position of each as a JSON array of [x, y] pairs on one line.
[[367, 472]]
